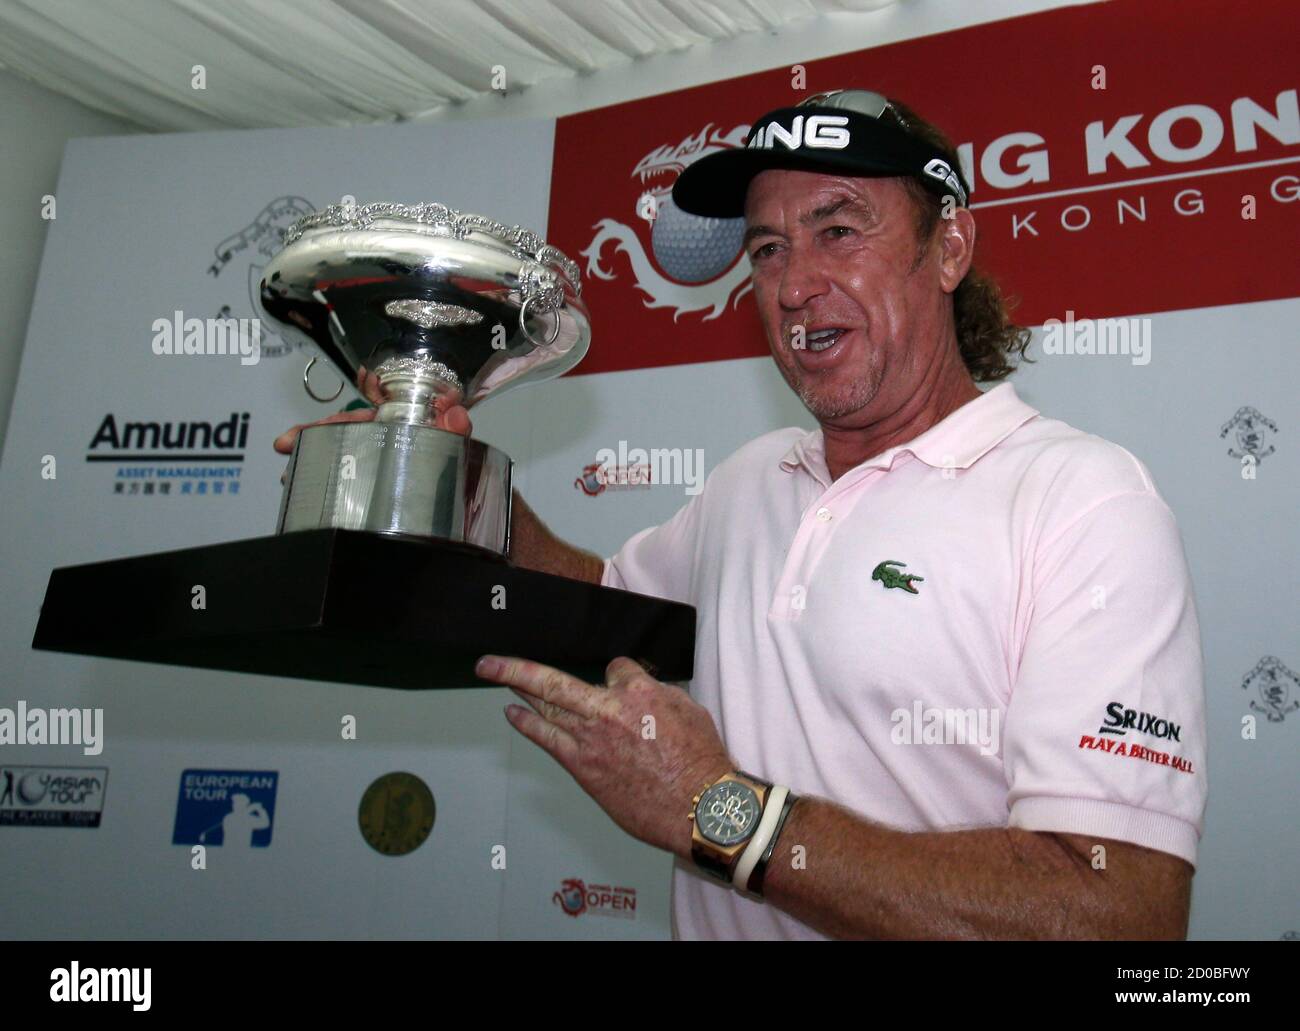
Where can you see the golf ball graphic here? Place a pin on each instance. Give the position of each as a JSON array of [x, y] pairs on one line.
[[31, 789], [692, 249]]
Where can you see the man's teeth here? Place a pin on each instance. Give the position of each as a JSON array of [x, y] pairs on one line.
[[823, 339]]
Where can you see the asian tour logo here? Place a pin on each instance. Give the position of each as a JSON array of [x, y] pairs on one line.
[[52, 796], [691, 264], [576, 897]]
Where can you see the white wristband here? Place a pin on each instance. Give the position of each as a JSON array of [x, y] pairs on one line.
[[758, 843]]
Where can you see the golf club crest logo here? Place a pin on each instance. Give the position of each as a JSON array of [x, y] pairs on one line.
[[1276, 689], [691, 264], [1249, 428], [252, 247], [396, 814]]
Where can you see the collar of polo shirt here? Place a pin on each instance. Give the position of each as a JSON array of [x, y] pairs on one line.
[[957, 442]]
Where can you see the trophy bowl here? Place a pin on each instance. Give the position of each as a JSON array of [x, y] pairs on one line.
[[441, 306]]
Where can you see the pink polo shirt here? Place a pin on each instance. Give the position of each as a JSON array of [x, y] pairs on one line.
[[989, 626]]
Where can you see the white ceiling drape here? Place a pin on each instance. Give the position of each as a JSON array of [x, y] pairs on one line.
[[275, 63]]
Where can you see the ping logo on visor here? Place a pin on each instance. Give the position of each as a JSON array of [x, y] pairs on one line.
[[939, 169], [844, 132], [827, 132]]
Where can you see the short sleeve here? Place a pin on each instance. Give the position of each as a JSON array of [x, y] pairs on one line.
[[658, 561], [1105, 730]]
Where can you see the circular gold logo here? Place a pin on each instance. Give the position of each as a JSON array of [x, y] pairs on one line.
[[396, 813]]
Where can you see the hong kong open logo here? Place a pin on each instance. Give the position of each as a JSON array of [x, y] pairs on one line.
[[577, 897]]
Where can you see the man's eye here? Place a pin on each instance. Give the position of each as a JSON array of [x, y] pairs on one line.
[[839, 232], [764, 251]]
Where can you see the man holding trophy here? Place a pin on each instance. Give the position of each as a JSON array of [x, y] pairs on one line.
[[948, 676]]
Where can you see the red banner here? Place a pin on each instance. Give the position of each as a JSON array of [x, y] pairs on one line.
[[1128, 157]]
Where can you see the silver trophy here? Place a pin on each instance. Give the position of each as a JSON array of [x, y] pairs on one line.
[[438, 304]]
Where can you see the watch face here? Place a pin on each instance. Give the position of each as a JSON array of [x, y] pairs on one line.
[[727, 813]]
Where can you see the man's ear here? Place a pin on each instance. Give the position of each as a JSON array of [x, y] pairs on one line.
[[956, 247]]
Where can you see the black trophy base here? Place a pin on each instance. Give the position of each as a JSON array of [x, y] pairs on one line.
[[355, 607]]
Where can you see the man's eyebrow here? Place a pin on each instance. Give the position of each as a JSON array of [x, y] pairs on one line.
[[754, 231], [849, 204]]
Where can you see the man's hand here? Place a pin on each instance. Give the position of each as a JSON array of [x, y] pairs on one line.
[[642, 749], [532, 545], [450, 416]]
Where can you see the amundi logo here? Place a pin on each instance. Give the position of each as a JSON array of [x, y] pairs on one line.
[[163, 439]]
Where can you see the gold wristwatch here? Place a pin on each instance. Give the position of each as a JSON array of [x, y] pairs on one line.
[[725, 817]]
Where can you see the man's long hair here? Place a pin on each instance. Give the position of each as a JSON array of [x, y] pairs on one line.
[[989, 341]]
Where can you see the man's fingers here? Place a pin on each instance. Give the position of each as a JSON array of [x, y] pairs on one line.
[[544, 682], [285, 441], [368, 384], [622, 670], [549, 736], [455, 420], [570, 721], [450, 415]]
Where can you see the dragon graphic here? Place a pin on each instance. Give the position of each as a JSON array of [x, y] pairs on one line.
[[660, 168], [591, 482], [572, 896]]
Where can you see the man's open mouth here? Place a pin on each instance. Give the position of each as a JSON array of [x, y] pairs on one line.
[[824, 338]]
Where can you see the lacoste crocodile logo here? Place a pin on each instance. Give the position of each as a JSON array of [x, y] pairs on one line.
[[891, 577]]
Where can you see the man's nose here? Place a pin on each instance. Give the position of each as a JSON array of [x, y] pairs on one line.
[[802, 280]]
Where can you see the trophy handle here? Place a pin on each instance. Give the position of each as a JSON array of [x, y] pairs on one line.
[[312, 394], [523, 326]]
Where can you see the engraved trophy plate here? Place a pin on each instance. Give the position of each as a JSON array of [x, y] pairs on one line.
[[439, 304]]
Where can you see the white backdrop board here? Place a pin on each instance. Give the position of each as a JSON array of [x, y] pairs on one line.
[[140, 221], [147, 226]]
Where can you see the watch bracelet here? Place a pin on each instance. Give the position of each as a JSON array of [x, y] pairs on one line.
[[755, 885]]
